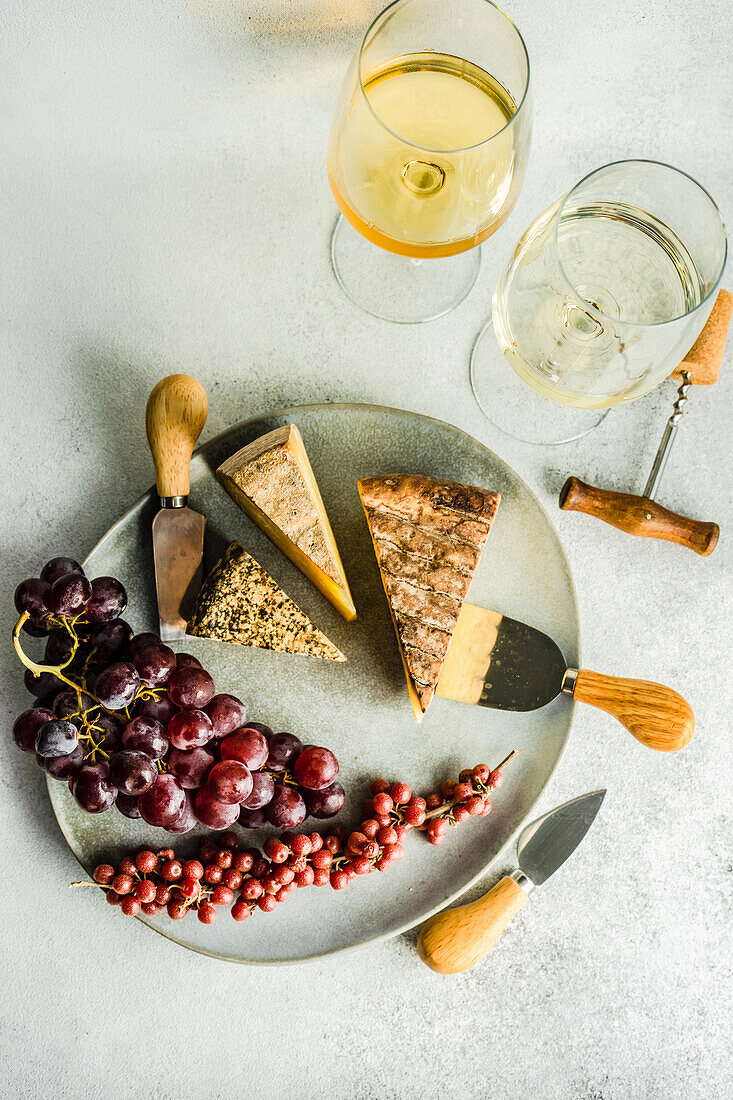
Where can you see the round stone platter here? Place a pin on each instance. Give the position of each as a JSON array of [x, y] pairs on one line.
[[360, 709]]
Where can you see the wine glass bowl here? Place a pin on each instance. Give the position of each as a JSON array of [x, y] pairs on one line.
[[427, 151], [603, 296]]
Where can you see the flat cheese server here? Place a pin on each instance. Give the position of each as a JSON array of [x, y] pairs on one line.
[[175, 415], [457, 939], [498, 662]]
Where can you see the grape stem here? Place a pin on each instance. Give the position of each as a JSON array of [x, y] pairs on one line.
[[55, 670], [445, 807]]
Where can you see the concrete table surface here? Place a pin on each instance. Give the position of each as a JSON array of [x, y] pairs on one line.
[[164, 208]]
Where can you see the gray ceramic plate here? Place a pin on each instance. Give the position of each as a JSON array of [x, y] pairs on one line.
[[359, 709]]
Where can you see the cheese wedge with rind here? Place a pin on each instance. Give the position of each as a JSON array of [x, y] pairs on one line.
[[239, 602], [273, 482], [428, 536]]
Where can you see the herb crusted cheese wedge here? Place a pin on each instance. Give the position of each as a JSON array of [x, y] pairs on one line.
[[272, 481], [239, 602], [428, 536]]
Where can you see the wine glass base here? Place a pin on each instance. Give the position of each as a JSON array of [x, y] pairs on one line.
[[515, 408], [397, 288]]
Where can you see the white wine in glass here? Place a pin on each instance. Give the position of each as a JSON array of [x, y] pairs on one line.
[[427, 153]]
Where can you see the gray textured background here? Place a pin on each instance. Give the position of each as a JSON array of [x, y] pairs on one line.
[[165, 208]]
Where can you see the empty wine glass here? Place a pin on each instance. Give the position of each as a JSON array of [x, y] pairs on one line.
[[602, 298], [427, 153]]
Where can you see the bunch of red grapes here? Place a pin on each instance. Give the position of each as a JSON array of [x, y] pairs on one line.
[[251, 879], [129, 723]]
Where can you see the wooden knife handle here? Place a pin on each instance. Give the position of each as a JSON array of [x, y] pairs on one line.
[[638, 515], [174, 418], [654, 714], [457, 939]]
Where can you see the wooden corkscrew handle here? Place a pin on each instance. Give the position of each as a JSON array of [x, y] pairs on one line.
[[638, 515], [457, 939], [654, 714], [174, 418]]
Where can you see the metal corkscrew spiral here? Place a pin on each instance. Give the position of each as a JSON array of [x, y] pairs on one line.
[[670, 431]]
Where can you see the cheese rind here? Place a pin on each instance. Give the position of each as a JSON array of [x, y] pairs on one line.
[[240, 603], [273, 482], [428, 536]]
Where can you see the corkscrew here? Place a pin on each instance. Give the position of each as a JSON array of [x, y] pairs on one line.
[[641, 515]]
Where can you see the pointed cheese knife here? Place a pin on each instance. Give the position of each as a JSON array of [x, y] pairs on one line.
[[457, 939], [498, 662], [175, 415]]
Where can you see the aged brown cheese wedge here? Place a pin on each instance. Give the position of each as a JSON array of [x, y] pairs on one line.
[[428, 536], [272, 481], [241, 603]]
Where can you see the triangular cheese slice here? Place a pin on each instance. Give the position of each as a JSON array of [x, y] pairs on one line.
[[272, 480], [239, 602], [428, 536]]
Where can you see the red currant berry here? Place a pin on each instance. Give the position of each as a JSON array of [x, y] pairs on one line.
[[379, 786], [232, 878], [401, 793], [243, 862], [130, 906], [284, 891], [266, 903], [192, 868], [321, 860], [298, 864], [283, 875], [127, 866], [401, 831], [367, 807], [276, 850], [433, 801], [224, 858], [495, 780], [463, 791], [208, 850], [438, 826], [104, 874], [145, 891], [240, 910], [481, 773], [171, 870], [383, 820], [356, 843], [112, 897], [332, 844], [122, 884], [162, 894], [383, 804], [414, 815], [316, 842], [301, 844], [190, 887], [230, 840], [384, 863], [146, 862], [207, 913], [387, 836], [251, 889], [465, 775], [166, 853], [222, 895], [339, 879], [260, 867], [487, 807], [461, 812], [305, 877], [176, 909], [321, 877], [447, 788], [397, 851], [475, 805], [151, 908], [435, 838], [370, 828], [213, 874]]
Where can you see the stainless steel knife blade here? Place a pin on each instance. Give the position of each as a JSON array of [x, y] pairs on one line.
[[546, 843], [178, 551], [496, 661]]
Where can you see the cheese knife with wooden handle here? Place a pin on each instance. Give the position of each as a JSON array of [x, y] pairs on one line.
[[174, 418], [498, 662], [457, 939]]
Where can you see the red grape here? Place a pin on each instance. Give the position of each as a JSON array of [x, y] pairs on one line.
[[147, 735], [287, 809], [315, 768], [161, 709], [214, 814], [116, 686], [191, 687], [110, 639], [252, 819], [70, 595], [248, 746], [127, 806], [108, 600], [45, 683], [192, 767], [186, 819], [325, 803], [227, 714], [59, 646], [64, 767], [163, 802], [154, 663], [190, 729], [263, 788], [59, 567], [140, 641], [230, 781], [27, 725], [283, 748], [34, 596], [58, 737], [132, 772], [187, 660], [92, 789]]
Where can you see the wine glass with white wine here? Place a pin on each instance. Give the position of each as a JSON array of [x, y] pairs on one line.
[[427, 153], [602, 298]]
